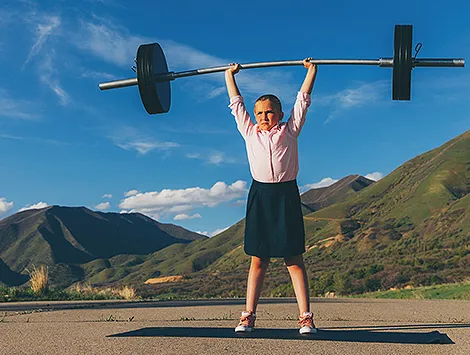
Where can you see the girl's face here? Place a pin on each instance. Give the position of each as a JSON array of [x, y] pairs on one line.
[[267, 115]]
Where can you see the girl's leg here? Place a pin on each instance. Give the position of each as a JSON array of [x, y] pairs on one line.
[[298, 275], [256, 275]]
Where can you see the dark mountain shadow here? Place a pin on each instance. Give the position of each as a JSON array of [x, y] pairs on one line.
[[103, 235], [11, 277]]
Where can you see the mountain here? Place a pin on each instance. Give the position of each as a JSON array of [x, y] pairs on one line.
[[65, 237], [410, 228], [316, 199]]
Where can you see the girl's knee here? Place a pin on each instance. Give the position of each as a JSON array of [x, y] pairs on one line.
[[295, 261], [259, 263]]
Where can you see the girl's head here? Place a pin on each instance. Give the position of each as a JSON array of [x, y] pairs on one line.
[[268, 112]]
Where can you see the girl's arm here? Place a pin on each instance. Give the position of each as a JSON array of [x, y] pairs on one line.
[[232, 87], [309, 80]]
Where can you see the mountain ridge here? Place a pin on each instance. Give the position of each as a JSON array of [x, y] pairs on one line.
[[64, 237]]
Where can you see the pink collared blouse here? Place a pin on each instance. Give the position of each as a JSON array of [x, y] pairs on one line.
[[273, 155]]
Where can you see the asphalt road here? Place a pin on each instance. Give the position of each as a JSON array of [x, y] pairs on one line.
[[346, 326]]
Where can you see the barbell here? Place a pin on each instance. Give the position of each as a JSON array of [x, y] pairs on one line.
[[153, 77]]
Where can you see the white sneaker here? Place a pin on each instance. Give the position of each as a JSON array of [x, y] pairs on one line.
[[306, 324], [247, 322]]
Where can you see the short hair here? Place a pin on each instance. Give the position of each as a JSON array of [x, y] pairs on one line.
[[273, 99]]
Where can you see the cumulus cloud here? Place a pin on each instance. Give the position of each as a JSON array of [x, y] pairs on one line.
[[5, 206], [107, 196], [168, 200], [183, 216], [323, 183], [180, 208], [376, 176], [131, 193], [36, 206], [103, 206]]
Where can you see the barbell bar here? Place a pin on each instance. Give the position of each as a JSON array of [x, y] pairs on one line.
[[153, 77]]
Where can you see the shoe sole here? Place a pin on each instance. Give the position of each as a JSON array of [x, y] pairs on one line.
[[307, 330], [243, 329]]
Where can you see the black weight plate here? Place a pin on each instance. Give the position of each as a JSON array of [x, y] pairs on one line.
[[402, 62], [156, 96]]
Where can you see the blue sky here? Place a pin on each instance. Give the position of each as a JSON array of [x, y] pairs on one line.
[[63, 142]]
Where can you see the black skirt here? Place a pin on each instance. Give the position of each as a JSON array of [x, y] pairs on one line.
[[274, 223]]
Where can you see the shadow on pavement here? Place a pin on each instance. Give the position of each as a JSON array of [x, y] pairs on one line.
[[403, 326], [365, 336]]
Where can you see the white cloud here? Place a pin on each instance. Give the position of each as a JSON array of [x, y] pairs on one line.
[[183, 216], [107, 196], [214, 233], [168, 201], [43, 31], [103, 206], [47, 76], [218, 231], [116, 45], [129, 138], [143, 147], [363, 94], [98, 75], [193, 156], [218, 158], [15, 108], [323, 183], [35, 206], [375, 176], [112, 44], [131, 193], [5, 206], [180, 208]]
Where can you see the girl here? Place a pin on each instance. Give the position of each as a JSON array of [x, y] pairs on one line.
[[274, 223]]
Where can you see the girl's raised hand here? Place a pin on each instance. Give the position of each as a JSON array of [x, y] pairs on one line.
[[235, 68], [307, 63]]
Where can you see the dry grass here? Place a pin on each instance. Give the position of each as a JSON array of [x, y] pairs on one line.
[[126, 292], [39, 278]]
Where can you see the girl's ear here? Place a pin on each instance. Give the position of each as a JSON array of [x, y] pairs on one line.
[[281, 116]]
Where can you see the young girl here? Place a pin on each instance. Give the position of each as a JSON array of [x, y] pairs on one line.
[[274, 223]]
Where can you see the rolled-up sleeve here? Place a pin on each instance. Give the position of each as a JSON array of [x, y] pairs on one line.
[[299, 113], [244, 124]]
